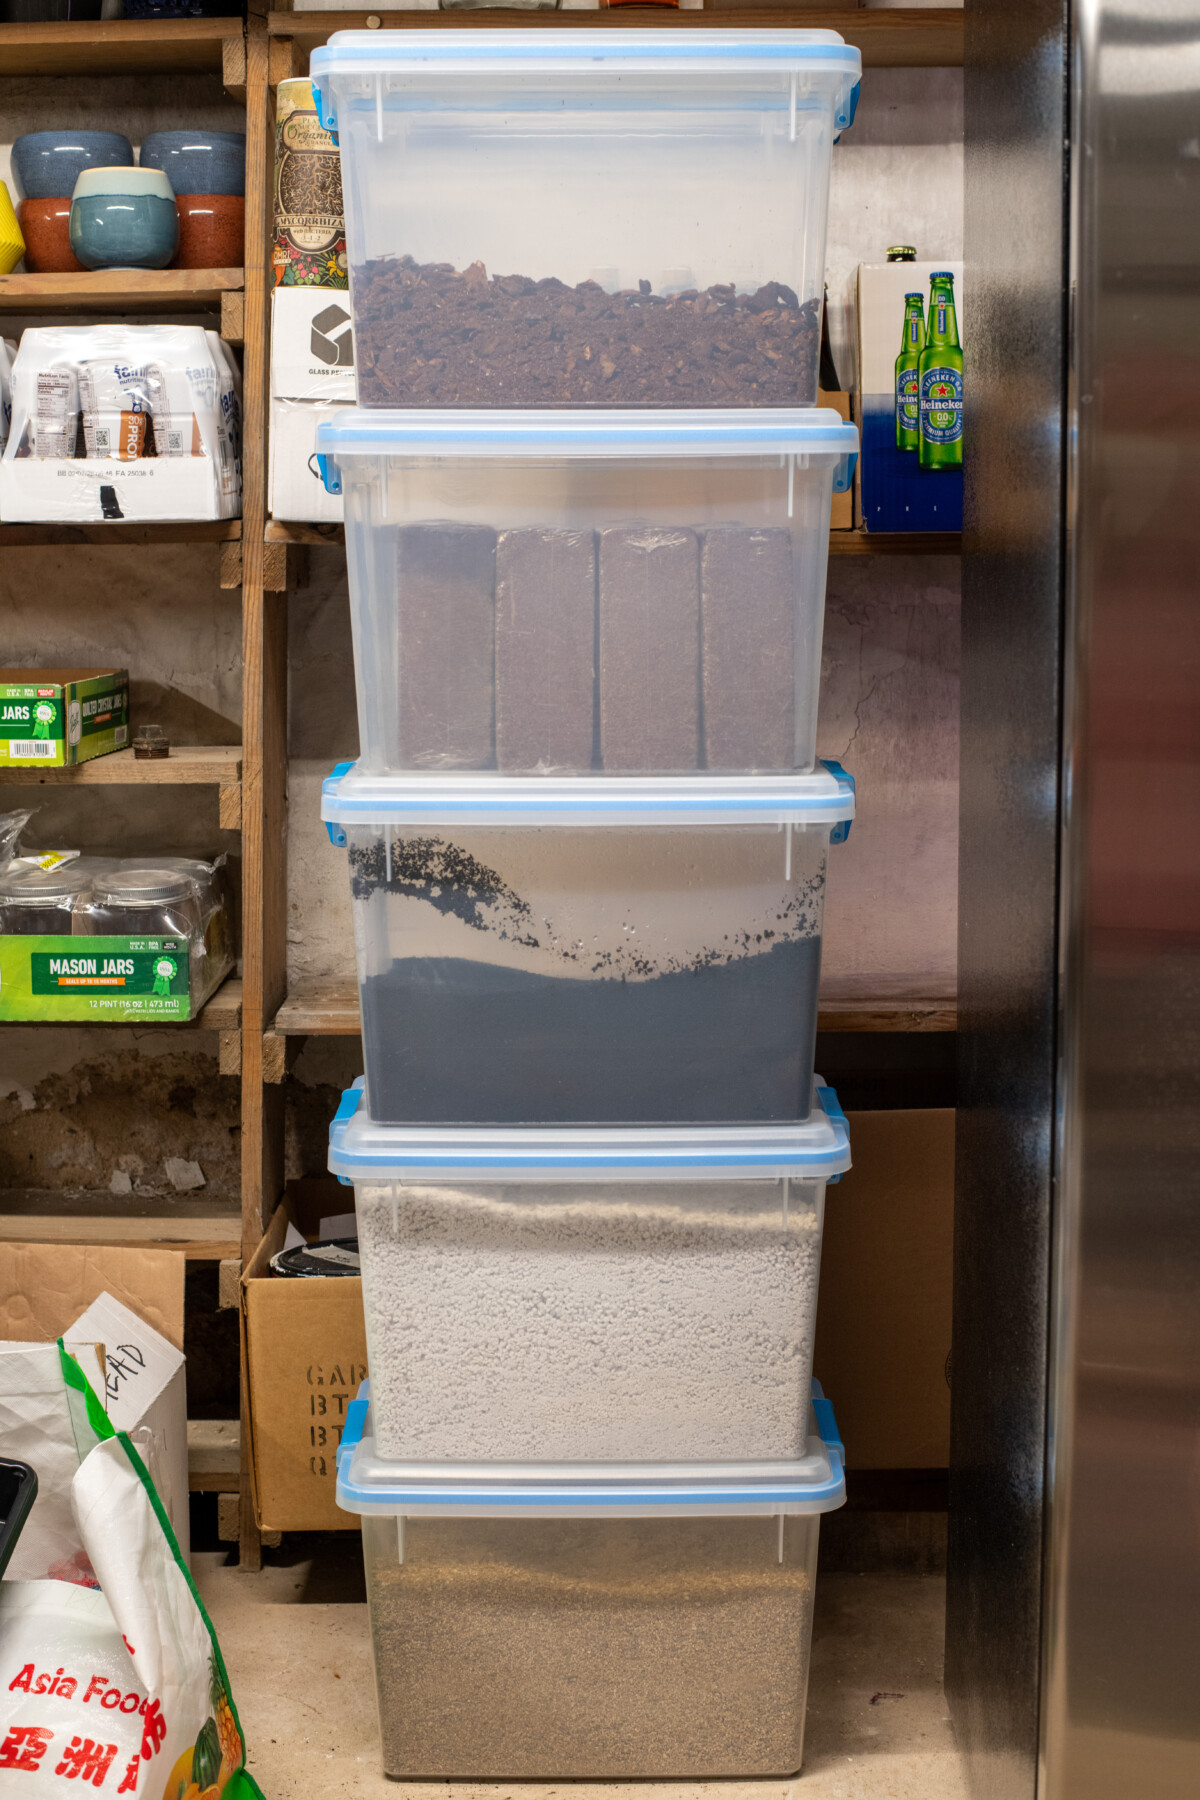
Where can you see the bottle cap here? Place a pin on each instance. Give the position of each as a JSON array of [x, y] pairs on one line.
[[901, 253], [941, 275]]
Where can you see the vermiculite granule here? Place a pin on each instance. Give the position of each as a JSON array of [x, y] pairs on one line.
[[653, 1322], [570, 1648]]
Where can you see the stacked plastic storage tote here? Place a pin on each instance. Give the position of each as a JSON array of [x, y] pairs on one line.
[[587, 495]]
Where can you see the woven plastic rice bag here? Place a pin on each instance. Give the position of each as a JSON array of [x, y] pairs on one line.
[[111, 1677]]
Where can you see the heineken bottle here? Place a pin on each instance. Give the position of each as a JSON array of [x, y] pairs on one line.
[[941, 380], [912, 342]]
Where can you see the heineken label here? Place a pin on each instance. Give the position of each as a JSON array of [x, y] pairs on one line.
[[908, 414], [941, 406], [94, 978]]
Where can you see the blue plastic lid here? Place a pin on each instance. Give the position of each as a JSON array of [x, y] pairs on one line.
[[813, 1149], [367, 1483], [814, 52], [587, 432], [349, 796]]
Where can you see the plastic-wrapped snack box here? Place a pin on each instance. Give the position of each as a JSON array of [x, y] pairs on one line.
[[112, 422]]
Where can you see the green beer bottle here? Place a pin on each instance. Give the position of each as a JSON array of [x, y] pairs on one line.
[[941, 380], [912, 342]]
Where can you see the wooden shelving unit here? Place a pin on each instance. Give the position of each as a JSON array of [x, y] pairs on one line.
[[250, 778]]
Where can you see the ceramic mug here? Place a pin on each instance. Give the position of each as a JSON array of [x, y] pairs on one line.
[[212, 231], [198, 162], [49, 163], [46, 228], [124, 219]]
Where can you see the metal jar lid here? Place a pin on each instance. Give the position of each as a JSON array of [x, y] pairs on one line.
[[22, 882], [142, 886]]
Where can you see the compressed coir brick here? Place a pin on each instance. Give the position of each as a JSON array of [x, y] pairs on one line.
[[427, 334], [545, 649], [748, 634], [649, 599], [446, 632]]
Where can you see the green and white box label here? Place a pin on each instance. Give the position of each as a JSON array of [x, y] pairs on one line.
[[94, 979]]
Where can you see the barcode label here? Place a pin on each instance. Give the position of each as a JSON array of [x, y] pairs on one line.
[[120, 734], [31, 747]]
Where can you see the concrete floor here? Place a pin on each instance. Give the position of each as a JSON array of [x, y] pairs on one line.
[[296, 1644]]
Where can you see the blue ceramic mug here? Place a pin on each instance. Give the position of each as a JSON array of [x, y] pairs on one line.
[[124, 219], [198, 162], [49, 163]]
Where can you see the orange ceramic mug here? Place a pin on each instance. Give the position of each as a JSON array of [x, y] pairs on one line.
[[45, 226]]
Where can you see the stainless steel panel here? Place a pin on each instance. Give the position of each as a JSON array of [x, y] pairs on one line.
[[1016, 119], [1122, 1668]]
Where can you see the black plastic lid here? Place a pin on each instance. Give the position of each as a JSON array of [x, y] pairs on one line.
[[338, 1257]]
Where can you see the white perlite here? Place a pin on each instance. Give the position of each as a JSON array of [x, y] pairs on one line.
[[611, 1323]]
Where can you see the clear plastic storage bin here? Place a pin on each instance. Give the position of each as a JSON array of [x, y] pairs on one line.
[[588, 951], [560, 593], [602, 1627], [592, 218], [590, 1296]]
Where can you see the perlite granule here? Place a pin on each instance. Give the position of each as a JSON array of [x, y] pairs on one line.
[[630, 1322], [571, 1648]]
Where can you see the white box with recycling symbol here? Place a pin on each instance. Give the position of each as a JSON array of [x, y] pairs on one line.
[[312, 372]]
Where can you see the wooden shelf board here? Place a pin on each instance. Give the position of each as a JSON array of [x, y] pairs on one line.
[[189, 765], [895, 543], [119, 291], [912, 37], [224, 1011], [116, 46], [841, 543], [202, 1231], [330, 1009], [185, 531], [214, 1455]]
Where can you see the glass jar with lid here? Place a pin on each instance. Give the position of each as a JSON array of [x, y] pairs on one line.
[[144, 900], [38, 902]]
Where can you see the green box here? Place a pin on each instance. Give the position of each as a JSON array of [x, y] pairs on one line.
[[94, 980], [55, 718]]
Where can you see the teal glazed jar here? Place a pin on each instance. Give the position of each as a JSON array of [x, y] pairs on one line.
[[124, 219]]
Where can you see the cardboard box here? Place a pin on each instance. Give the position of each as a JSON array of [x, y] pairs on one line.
[[36, 490], [841, 515], [312, 374], [121, 1312], [56, 718], [304, 1353], [895, 493], [885, 1302], [95, 980]]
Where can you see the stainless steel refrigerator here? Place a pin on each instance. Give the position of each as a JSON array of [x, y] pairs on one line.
[[1073, 1639]]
